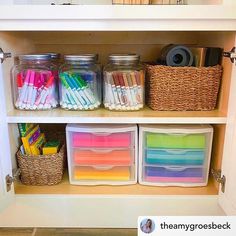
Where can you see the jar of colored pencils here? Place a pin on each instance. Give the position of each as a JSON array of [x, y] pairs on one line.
[[80, 82], [124, 83], [34, 84]]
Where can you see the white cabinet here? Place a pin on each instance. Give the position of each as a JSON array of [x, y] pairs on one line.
[[107, 29]]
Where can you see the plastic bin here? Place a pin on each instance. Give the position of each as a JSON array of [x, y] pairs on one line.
[[174, 155], [102, 154]]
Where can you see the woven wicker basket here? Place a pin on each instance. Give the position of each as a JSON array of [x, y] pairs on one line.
[[42, 169], [182, 88]]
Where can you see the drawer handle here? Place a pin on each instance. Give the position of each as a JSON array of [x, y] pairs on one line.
[[176, 151], [101, 150], [101, 134], [176, 168], [180, 135], [102, 167]]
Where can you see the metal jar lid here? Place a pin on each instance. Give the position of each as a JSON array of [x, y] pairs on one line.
[[81, 58], [33, 57], [54, 55], [128, 58]]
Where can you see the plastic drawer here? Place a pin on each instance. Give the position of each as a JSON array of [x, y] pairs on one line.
[[174, 140], [174, 156], [101, 139], [174, 174], [102, 173], [103, 156]]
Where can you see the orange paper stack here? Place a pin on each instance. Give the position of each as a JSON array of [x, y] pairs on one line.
[[100, 157], [91, 173]]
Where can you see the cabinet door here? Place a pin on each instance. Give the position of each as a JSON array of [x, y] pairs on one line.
[[6, 197], [228, 198]]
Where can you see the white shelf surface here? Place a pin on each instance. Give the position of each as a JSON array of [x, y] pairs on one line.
[[96, 211], [117, 17], [104, 116]]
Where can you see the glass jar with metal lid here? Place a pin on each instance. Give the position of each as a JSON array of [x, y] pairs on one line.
[[80, 82], [124, 83], [55, 57], [55, 64], [33, 83]]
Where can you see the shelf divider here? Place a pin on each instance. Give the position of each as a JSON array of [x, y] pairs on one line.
[[106, 117]]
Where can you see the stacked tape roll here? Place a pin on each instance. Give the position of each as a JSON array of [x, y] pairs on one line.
[[176, 55]]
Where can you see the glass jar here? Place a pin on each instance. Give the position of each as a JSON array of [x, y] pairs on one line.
[[55, 64], [33, 83], [55, 58], [124, 83], [80, 82]]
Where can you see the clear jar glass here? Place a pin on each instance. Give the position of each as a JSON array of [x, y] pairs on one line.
[[55, 58], [124, 83], [33, 83], [55, 65], [80, 82]]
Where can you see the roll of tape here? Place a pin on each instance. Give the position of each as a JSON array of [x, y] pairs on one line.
[[177, 55]]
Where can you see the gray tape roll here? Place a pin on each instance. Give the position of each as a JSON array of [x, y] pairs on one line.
[[177, 55]]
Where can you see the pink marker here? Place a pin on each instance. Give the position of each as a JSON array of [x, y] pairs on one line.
[[41, 82], [23, 95], [30, 89], [35, 91], [44, 93], [19, 86]]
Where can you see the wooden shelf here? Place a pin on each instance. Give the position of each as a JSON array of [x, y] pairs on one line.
[[65, 188], [104, 116]]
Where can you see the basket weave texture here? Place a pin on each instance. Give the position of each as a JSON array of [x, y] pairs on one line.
[[182, 88], [41, 169]]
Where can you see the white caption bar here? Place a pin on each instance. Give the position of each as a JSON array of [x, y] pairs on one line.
[[186, 225]]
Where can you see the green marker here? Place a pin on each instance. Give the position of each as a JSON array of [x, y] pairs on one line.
[[71, 99], [81, 90], [87, 91]]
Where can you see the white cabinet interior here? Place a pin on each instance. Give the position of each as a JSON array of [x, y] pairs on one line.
[[148, 45]]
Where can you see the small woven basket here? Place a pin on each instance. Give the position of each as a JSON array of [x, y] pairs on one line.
[[182, 88], [41, 169]]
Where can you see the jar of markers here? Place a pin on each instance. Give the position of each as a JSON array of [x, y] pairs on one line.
[[80, 82], [124, 83], [34, 84]]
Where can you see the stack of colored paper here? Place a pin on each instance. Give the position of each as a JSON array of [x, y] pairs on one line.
[[90, 173], [82, 139], [98, 157]]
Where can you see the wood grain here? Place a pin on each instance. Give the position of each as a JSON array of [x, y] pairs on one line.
[[66, 188], [86, 232], [17, 231], [66, 231]]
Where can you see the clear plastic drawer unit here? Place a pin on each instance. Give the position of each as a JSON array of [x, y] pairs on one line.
[[174, 155], [102, 154]]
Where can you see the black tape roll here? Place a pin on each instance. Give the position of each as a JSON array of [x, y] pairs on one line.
[[177, 55]]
